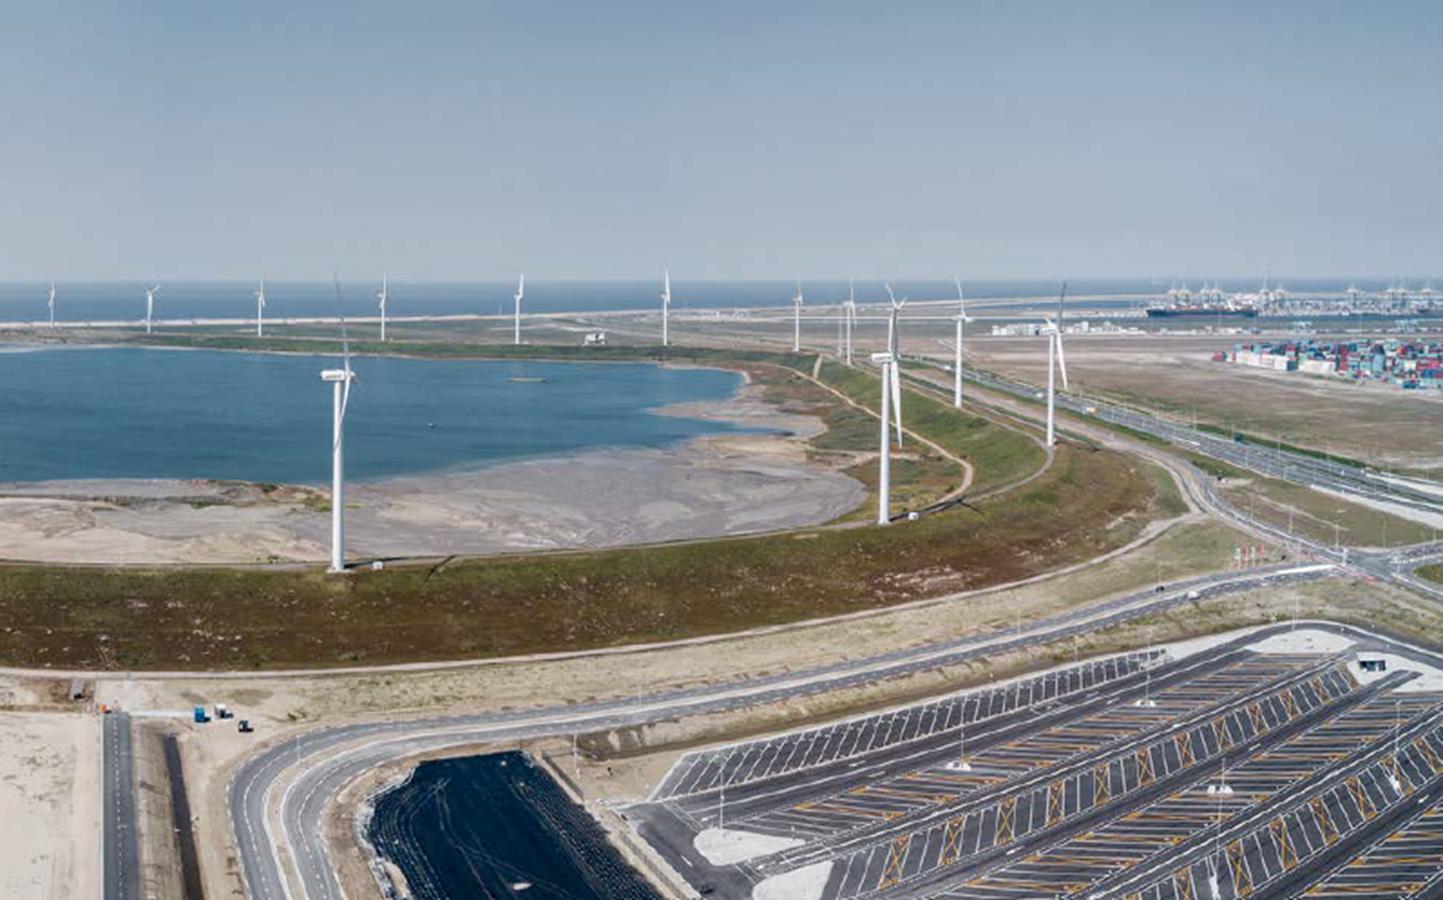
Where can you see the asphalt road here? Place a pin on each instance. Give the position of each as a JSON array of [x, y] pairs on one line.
[[1271, 461], [331, 757], [120, 853], [1396, 565]]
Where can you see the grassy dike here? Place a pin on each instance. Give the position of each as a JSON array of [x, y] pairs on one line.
[[999, 456], [470, 350], [1087, 503]]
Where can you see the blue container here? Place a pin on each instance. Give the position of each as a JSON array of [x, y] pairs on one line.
[[200, 713]]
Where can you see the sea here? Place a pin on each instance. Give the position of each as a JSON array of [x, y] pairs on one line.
[[109, 301], [497, 826], [98, 412]]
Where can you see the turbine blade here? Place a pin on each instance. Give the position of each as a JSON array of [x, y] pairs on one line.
[[962, 304], [1062, 363]]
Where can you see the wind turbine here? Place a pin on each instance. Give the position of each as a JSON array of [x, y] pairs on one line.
[[892, 326], [891, 413], [666, 302], [797, 319], [150, 293], [381, 297], [260, 306], [51, 304], [851, 318], [516, 321], [1054, 330], [960, 319], [341, 381]]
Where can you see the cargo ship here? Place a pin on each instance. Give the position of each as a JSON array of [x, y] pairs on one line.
[[1202, 312], [1209, 302]]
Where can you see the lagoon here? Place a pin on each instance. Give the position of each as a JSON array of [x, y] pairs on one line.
[[103, 412]]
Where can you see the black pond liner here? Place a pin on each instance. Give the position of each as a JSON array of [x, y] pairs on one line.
[[497, 826]]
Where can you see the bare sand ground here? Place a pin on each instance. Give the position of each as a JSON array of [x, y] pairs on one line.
[[1377, 422], [50, 795], [721, 484]]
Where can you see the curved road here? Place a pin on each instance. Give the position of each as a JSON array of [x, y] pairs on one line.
[[326, 762]]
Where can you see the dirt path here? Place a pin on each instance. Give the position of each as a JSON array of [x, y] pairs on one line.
[[946, 454]]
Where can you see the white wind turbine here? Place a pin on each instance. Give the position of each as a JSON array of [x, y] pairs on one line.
[[1054, 330], [260, 308], [382, 298], [891, 414], [892, 326], [797, 319], [51, 304], [851, 319], [666, 302], [341, 380], [961, 318], [516, 320], [150, 293]]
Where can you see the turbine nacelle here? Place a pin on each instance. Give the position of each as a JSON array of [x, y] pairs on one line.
[[962, 306]]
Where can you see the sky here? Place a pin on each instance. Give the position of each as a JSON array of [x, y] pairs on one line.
[[466, 140]]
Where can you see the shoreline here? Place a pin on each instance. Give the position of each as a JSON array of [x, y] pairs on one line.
[[703, 487]]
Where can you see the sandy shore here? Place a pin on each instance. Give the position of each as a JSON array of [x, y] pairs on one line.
[[720, 484], [50, 790]]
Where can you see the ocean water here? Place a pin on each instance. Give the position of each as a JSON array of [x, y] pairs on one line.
[[139, 413], [108, 301], [497, 826]]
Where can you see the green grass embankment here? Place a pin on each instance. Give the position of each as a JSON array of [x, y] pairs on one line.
[[467, 350], [1085, 505], [999, 456]]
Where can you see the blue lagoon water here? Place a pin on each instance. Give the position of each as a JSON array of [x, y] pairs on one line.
[[142, 413]]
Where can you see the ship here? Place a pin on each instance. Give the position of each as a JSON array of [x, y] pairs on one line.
[[1207, 302], [1201, 312]]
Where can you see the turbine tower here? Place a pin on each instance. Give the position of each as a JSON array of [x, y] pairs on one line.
[[1054, 330], [891, 413], [382, 298], [51, 304], [260, 307], [797, 319], [150, 293], [516, 320], [341, 382], [851, 319], [960, 319], [666, 302]]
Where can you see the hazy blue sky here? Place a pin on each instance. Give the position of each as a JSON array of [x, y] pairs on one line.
[[462, 140]]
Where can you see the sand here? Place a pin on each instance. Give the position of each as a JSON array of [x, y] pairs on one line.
[[717, 485], [806, 883], [727, 846], [50, 792]]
